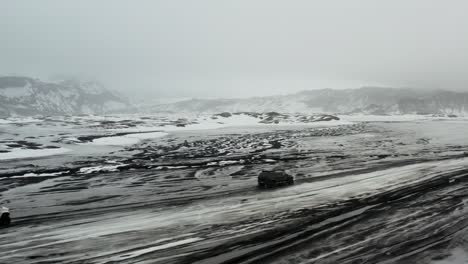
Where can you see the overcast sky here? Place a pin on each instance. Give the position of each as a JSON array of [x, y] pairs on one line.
[[221, 48]]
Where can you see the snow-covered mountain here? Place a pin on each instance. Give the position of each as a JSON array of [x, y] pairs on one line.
[[24, 96], [366, 100]]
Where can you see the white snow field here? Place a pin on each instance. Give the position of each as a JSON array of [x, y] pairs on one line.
[[129, 139], [32, 153]]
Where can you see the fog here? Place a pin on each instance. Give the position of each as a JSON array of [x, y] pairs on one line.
[[213, 48]]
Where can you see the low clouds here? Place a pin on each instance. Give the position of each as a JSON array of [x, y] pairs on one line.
[[213, 48]]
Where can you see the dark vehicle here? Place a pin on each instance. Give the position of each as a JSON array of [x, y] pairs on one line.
[[5, 217], [272, 179]]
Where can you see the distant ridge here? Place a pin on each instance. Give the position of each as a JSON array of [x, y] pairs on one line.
[[25, 96], [365, 100]]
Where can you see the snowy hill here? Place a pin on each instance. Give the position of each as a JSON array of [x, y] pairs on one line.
[[24, 96], [366, 100]]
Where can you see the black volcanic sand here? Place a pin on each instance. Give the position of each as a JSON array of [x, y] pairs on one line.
[[368, 193]]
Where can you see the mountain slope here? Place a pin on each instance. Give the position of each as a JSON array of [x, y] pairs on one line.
[[25, 96], [366, 100]]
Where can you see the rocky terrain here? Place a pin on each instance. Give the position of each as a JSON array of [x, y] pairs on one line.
[[163, 190], [24, 96], [60, 135]]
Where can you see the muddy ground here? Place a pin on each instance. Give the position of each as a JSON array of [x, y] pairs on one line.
[[376, 192]]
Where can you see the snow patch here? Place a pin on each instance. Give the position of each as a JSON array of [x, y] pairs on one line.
[[125, 140], [15, 92], [32, 174], [394, 118], [108, 168], [458, 256], [206, 122], [228, 162], [13, 120], [32, 153]]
